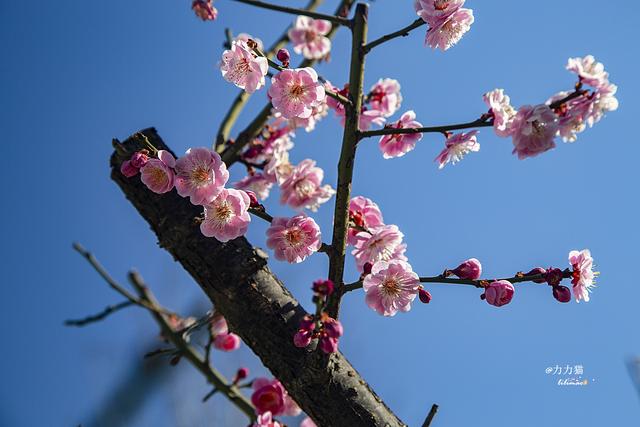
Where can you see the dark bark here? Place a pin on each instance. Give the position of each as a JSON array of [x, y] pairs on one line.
[[256, 304]]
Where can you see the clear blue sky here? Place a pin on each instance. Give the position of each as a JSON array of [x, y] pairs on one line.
[[75, 74]]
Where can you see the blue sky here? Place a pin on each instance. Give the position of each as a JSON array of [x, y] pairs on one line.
[[76, 74]]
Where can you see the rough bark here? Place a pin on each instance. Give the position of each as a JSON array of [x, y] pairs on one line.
[[258, 307]]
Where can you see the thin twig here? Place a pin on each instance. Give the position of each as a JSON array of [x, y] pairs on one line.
[[432, 413], [481, 122], [99, 316], [338, 20], [403, 32]]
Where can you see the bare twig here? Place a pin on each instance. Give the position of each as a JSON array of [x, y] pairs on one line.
[[99, 316], [403, 32], [481, 122], [432, 413], [338, 20]]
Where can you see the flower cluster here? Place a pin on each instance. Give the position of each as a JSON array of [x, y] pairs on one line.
[[244, 68], [448, 21], [320, 326]]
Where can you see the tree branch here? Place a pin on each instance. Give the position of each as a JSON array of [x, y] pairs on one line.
[[481, 122], [99, 316], [432, 413], [347, 157], [337, 20], [403, 32], [256, 305]]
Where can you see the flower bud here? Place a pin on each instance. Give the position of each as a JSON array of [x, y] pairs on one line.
[[323, 287], [424, 296], [284, 57], [536, 271], [471, 269], [253, 199], [307, 323], [302, 338], [328, 344], [562, 293], [127, 169], [366, 268], [241, 374], [139, 159], [553, 276], [333, 328], [499, 293]]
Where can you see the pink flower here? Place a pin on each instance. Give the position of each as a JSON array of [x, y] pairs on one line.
[[128, 170], [244, 68], [501, 110], [447, 20], [200, 175], [365, 214], [308, 37], [308, 422], [499, 293], [132, 166], [589, 70], [157, 174], [385, 97], [397, 145], [293, 239], [457, 146], [471, 269], [571, 115], [227, 216], [583, 274], [391, 287], [367, 118], [265, 420], [533, 130], [270, 395], [257, 183], [227, 342], [318, 112], [303, 189], [219, 325], [246, 37], [602, 101], [381, 244], [294, 93], [204, 9], [330, 333]]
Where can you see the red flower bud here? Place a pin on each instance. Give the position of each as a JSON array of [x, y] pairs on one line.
[[284, 57], [323, 287], [471, 269], [253, 199], [424, 296], [562, 293], [536, 271]]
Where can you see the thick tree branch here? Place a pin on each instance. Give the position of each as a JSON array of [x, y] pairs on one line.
[[403, 32], [256, 305], [347, 156], [337, 20]]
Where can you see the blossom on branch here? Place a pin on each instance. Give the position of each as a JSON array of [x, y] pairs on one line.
[[242, 67], [391, 287], [457, 146], [303, 188], [533, 130], [499, 293], [200, 175], [293, 239], [226, 217], [397, 145], [244, 37], [589, 71], [365, 215], [583, 274], [157, 174], [448, 21], [257, 183], [501, 110], [294, 93], [385, 97], [309, 37], [471, 269], [271, 396], [381, 244]]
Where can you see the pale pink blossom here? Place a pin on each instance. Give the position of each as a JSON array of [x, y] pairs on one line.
[[308, 422], [294, 93], [365, 214], [246, 37], [471, 269], [270, 395], [590, 71], [533, 130], [318, 112], [433, 11], [397, 145], [200, 175], [226, 217], [227, 342], [242, 67], [277, 138], [583, 274], [447, 20], [501, 110], [391, 287], [572, 115], [219, 325], [457, 146], [499, 292], [303, 188], [157, 174], [385, 97], [204, 9], [265, 420], [257, 183], [367, 118], [293, 239], [602, 100], [381, 244], [309, 37]]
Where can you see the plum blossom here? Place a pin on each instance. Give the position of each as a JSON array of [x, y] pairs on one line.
[[391, 287], [318, 112], [275, 139], [219, 325], [457, 146], [132, 166], [204, 9], [499, 292], [227, 342], [365, 214], [571, 115], [381, 244], [602, 100], [448, 21], [200, 175], [293, 239], [226, 217], [157, 174], [397, 145], [257, 183], [330, 332], [590, 71], [533, 130], [265, 420], [246, 37], [309, 37], [367, 118], [244, 68], [294, 93], [271, 396], [583, 274], [385, 97], [500, 108], [303, 189], [471, 269]]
